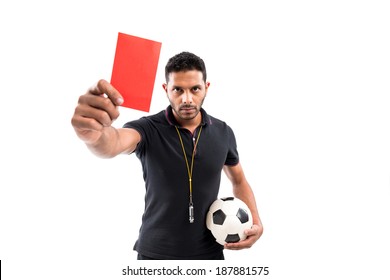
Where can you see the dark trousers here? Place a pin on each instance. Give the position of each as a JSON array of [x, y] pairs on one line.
[[217, 256]]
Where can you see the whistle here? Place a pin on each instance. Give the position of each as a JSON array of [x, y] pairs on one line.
[[191, 213]]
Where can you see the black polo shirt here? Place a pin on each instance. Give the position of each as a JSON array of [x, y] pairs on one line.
[[166, 232]]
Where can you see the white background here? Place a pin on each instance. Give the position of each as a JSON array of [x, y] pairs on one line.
[[304, 84]]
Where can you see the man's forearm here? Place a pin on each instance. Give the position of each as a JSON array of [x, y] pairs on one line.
[[106, 145]]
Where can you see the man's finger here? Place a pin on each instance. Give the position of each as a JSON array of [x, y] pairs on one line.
[[104, 87], [255, 229]]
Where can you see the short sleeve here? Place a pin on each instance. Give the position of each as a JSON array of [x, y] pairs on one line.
[[232, 157]]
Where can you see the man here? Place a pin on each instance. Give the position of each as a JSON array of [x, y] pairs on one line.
[[182, 150]]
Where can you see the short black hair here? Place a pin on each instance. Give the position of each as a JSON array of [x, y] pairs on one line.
[[185, 61]]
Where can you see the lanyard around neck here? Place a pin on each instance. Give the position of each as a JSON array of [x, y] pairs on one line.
[[189, 169]]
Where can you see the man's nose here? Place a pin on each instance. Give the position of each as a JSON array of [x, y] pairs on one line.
[[187, 97]]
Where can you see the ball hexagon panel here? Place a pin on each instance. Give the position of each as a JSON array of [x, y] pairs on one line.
[[219, 217], [242, 215]]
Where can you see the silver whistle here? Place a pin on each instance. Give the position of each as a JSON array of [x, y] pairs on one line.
[[191, 212]]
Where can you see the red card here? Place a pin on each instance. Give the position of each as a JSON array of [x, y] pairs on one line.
[[134, 70]]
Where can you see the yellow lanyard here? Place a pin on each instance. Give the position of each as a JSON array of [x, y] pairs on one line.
[[189, 170]]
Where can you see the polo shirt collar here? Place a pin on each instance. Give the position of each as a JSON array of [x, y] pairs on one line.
[[172, 120]]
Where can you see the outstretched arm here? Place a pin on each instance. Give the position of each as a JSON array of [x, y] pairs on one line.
[[93, 118]]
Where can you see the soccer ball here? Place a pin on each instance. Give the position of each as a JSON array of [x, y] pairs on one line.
[[227, 219]]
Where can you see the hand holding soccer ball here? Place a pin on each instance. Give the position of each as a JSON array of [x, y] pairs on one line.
[[227, 219]]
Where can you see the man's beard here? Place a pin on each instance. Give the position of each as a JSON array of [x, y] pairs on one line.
[[185, 116]]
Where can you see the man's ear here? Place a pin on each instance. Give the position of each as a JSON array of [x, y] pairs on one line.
[[165, 87], [207, 85]]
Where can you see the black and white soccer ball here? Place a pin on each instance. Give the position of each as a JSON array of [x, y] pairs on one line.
[[227, 219]]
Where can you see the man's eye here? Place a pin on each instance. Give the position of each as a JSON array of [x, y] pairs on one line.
[[196, 89], [176, 90]]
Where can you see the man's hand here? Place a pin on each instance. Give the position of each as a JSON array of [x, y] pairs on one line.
[[253, 235], [96, 111]]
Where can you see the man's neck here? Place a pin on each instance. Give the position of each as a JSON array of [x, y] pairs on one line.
[[192, 124]]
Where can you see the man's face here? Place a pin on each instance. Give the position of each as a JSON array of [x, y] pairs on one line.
[[186, 92]]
